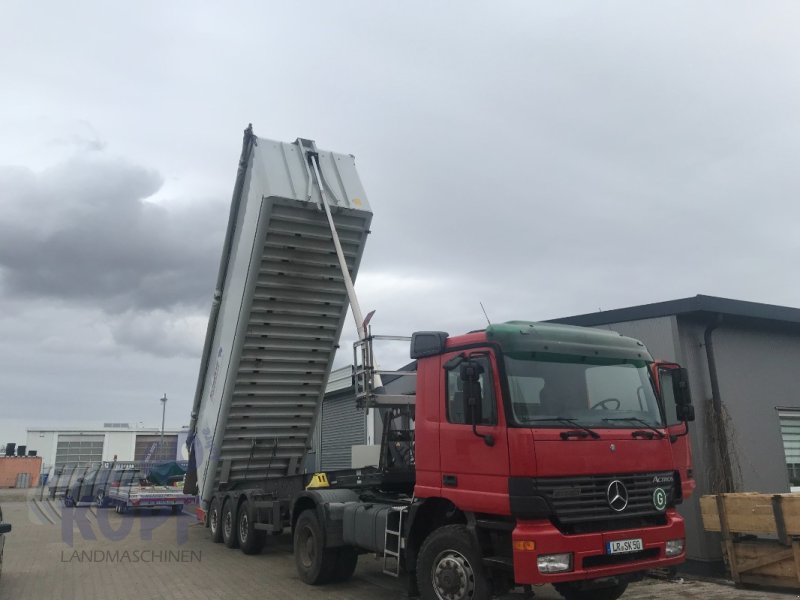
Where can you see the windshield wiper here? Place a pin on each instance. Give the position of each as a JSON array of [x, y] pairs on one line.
[[638, 420], [572, 422]]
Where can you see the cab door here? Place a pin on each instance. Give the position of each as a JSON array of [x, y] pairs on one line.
[[474, 461], [672, 383]]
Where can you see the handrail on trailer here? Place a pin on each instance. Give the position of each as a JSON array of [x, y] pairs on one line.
[[369, 390]]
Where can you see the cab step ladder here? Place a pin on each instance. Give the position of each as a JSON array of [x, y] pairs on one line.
[[393, 540]]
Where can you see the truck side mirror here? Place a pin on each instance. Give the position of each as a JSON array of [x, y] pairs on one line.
[[685, 412], [470, 375], [683, 396]]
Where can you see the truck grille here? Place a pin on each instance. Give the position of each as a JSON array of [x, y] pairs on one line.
[[578, 502]]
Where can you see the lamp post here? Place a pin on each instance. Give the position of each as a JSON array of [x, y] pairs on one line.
[[163, 414]]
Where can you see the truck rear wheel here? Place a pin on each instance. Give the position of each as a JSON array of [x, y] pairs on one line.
[[251, 540], [214, 521], [228, 525], [571, 591], [450, 567], [315, 564]]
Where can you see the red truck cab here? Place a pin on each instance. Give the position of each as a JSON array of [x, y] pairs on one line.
[[573, 437]]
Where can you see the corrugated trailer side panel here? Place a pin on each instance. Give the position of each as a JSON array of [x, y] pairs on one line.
[[281, 312]]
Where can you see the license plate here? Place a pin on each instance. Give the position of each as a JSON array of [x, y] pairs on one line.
[[624, 546]]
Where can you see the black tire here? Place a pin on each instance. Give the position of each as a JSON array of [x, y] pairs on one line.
[[177, 509], [450, 562], [571, 592], [228, 525], [315, 564], [346, 562], [215, 520], [251, 540]]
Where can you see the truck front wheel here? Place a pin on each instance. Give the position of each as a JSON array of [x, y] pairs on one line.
[[214, 521], [571, 591], [346, 562], [315, 564], [449, 567]]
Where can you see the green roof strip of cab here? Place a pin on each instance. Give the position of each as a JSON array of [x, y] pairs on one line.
[[550, 338]]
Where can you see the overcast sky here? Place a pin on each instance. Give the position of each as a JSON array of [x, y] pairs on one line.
[[546, 158]]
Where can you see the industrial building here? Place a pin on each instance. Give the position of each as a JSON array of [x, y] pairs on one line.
[[742, 359], [120, 441]]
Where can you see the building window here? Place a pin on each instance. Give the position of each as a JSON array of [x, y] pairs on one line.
[[790, 432]]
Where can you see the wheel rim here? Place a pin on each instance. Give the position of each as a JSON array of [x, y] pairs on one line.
[[243, 528], [100, 496], [227, 524], [453, 577], [305, 547]]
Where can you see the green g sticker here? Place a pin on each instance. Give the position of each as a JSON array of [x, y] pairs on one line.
[[660, 499]]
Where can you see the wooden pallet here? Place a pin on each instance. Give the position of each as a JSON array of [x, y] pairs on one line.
[[760, 536]]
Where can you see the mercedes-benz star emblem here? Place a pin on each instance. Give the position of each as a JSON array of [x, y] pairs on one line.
[[617, 495]]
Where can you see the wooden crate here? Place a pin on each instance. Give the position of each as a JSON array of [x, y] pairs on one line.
[[772, 557]]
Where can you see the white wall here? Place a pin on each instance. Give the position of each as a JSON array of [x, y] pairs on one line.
[[44, 442]]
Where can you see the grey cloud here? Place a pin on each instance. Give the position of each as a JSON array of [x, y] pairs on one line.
[[83, 231], [162, 333]]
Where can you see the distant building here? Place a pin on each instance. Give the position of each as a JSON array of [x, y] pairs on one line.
[[751, 353], [85, 445], [20, 471]]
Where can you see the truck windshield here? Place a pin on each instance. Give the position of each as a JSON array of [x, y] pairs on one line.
[[591, 392]]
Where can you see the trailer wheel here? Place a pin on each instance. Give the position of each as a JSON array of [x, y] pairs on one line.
[[346, 562], [214, 521], [315, 564], [228, 525], [251, 540], [450, 567], [571, 592], [177, 509]]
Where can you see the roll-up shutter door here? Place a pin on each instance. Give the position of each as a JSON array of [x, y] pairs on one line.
[[79, 449], [343, 425], [147, 448]]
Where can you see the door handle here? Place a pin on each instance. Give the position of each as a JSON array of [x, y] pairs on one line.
[[450, 480]]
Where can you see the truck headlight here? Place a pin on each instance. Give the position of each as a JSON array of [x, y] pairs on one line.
[[555, 563], [675, 547]]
